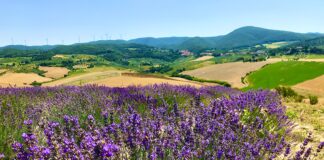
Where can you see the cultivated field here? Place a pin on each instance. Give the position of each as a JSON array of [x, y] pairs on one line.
[[59, 56], [118, 78], [54, 72], [286, 73], [203, 58], [229, 72], [128, 80], [80, 66], [20, 79], [275, 45], [81, 79], [313, 86]]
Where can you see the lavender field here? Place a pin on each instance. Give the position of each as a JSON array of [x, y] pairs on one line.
[[152, 122]]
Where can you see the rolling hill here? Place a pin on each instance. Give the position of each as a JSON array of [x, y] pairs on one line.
[[167, 42], [248, 36], [242, 37]]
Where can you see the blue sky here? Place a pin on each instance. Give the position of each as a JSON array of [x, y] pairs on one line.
[[34, 21]]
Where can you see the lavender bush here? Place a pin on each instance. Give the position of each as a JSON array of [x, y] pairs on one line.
[[153, 122]]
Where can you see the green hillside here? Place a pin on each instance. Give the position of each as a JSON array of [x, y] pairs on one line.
[[167, 42], [285, 73], [247, 36], [316, 42], [310, 46]]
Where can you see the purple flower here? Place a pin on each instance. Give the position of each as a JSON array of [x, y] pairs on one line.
[[158, 122], [153, 156], [287, 151], [307, 153], [66, 118], [219, 154], [25, 136], [110, 149], [16, 145], [28, 122], [321, 145], [90, 118], [46, 152], [2, 156]]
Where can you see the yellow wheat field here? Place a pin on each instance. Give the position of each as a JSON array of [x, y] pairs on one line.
[[20, 79], [314, 86], [118, 78], [54, 72]]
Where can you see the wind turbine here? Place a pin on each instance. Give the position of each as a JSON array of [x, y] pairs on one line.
[[25, 44], [106, 36]]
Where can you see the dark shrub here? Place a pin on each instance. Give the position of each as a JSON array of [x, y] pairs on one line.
[[299, 98], [286, 91], [35, 83], [313, 100]]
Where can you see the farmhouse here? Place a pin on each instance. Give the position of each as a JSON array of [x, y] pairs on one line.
[[186, 53]]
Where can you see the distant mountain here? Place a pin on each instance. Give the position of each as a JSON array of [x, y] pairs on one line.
[[96, 48], [242, 37], [168, 42], [248, 36], [197, 44]]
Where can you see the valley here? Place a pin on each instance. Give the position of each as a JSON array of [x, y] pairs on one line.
[[281, 71], [161, 80]]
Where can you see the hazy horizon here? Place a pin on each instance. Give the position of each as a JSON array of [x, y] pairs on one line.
[[65, 22]]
